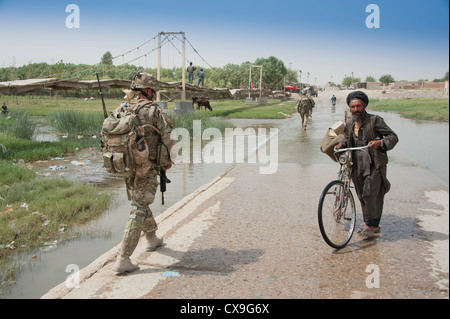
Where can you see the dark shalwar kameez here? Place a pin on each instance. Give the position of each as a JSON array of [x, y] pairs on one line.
[[370, 182]]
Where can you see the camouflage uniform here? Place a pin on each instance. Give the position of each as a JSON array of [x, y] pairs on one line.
[[142, 187], [304, 106]]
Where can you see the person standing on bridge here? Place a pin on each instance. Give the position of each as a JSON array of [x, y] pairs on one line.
[[201, 77], [190, 70], [369, 167]]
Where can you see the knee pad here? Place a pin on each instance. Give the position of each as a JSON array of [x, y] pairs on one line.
[[139, 213]]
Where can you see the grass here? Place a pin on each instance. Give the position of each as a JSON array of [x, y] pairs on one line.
[[72, 122], [34, 210], [238, 109], [16, 149], [18, 124], [43, 106], [418, 109]]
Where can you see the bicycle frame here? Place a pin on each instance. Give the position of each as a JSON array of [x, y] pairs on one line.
[[344, 175]]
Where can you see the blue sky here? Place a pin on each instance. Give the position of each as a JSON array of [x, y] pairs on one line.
[[327, 38]]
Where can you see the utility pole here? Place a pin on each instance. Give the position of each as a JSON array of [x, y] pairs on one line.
[[300, 71], [158, 72], [183, 69], [183, 63], [260, 80]]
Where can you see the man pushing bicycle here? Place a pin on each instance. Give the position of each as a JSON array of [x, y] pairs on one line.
[[369, 168]]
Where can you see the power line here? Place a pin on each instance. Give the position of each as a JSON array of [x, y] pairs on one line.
[[198, 53], [165, 41]]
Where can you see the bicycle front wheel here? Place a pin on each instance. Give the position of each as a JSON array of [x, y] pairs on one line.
[[337, 214]]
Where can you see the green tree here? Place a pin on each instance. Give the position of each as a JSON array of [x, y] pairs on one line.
[[445, 78], [274, 72], [348, 81], [387, 78], [107, 58], [370, 78], [292, 76]]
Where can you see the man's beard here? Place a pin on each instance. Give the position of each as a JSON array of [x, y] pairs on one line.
[[357, 117]]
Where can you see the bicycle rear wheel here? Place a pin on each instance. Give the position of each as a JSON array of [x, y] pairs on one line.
[[337, 214]]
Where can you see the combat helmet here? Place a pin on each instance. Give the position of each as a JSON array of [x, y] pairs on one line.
[[144, 80]]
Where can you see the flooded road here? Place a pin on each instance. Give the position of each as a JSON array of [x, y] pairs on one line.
[[296, 146]]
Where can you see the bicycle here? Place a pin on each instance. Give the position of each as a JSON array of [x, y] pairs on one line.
[[337, 210]]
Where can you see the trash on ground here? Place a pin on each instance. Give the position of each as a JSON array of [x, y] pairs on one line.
[[77, 163], [57, 168], [48, 246]]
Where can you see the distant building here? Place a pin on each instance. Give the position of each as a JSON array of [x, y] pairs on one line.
[[369, 85], [419, 85], [331, 86]]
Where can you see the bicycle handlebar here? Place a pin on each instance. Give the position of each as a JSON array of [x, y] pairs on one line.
[[339, 150]]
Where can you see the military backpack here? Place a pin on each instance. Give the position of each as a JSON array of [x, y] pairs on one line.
[[125, 149]]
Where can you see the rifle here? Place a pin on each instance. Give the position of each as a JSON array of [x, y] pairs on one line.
[[163, 181], [101, 94]]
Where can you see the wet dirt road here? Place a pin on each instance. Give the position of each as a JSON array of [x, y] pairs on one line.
[[250, 235]]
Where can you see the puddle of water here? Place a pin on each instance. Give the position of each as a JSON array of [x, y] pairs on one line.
[[44, 133], [425, 142]]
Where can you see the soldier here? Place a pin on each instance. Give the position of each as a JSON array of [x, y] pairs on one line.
[[141, 187], [304, 106]]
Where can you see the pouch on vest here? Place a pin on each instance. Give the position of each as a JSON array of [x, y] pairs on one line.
[[140, 151], [117, 138]]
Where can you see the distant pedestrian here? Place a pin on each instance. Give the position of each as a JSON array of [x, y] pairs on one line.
[[304, 106], [201, 77], [190, 70]]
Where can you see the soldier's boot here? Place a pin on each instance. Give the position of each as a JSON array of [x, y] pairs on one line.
[[153, 241], [129, 242], [149, 228], [124, 264]]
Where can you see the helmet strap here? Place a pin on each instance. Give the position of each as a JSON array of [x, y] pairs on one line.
[[144, 93]]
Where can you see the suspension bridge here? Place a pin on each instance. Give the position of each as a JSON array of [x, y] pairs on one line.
[[140, 55]]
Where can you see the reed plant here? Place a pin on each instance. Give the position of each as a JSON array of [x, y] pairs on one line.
[[187, 121], [74, 122], [16, 149], [18, 124]]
